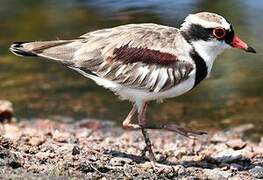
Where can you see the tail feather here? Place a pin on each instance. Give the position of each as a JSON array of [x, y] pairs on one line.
[[60, 50], [18, 49]]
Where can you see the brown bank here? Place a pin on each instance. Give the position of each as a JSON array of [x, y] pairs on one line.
[[93, 149]]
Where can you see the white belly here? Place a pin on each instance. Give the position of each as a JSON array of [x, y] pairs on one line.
[[141, 95], [137, 95]]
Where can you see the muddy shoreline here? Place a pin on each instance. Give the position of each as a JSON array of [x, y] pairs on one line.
[[94, 149]]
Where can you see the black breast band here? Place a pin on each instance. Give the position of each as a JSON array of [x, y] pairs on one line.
[[201, 67]]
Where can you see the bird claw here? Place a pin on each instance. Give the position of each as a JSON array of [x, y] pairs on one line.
[[178, 129], [184, 131], [143, 153]]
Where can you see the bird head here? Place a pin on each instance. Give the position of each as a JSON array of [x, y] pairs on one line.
[[210, 34]]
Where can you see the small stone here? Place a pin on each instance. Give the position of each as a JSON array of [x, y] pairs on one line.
[[236, 167], [236, 144], [14, 161], [75, 150], [36, 141], [225, 167], [219, 137], [5, 142], [129, 171], [51, 155], [216, 173], [15, 164], [179, 169], [119, 161], [6, 110], [83, 133], [257, 172], [179, 153], [146, 166], [11, 131], [61, 137], [230, 155], [42, 155]]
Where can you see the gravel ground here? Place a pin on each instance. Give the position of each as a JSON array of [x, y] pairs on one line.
[[92, 149]]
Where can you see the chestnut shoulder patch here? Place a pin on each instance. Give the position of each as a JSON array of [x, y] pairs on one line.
[[128, 54]]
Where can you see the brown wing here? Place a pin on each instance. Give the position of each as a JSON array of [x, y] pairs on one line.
[[141, 68], [136, 56], [140, 56], [150, 77]]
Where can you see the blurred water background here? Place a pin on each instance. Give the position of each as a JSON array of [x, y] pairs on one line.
[[40, 88]]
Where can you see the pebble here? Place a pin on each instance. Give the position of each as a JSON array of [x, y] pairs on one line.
[[236, 167], [225, 167], [119, 161], [6, 110], [42, 155], [36, 141], [257, 172], [129, 171], [236, 144], [83, 133], [216, 173], [230, 155], [11, 131], [61, 137], [75, 150], [179, 169], [218, 138]]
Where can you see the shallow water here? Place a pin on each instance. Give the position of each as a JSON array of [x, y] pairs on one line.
[[233, 95]]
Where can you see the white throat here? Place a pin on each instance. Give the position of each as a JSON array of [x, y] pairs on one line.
[[209, 50]]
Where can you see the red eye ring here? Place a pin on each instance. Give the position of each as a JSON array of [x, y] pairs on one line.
[[219, 33]]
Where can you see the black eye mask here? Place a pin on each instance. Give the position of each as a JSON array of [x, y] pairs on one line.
[[197, 32], [230, 35]]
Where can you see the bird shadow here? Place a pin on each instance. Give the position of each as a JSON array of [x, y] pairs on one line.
[[242, 163], [135, 158]]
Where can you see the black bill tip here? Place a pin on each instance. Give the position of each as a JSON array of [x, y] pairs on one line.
[[251, 50]]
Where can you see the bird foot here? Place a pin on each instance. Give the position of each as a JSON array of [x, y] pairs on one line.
[[184, 131], [178, 129], [148, 147], [157, 167]]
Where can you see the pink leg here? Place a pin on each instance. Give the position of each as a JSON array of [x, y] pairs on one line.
[[169, 127], [143, 126], [142, 123], [141, 118], [175, 128], [127, 122]]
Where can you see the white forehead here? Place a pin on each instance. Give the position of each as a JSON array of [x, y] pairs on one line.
[[206, 20]]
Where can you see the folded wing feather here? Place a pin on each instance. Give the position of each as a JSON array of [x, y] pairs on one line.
[[136, 56]]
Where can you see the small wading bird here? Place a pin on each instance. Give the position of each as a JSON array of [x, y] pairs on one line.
[[144, 62]]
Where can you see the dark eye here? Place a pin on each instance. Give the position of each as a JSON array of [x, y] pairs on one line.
[[219, 33]]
